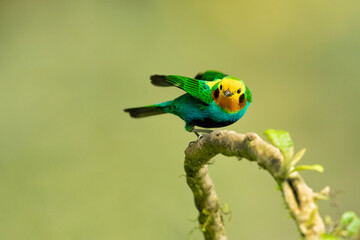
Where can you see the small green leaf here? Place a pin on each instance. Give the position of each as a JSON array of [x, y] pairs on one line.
[[279, 138], [321, 197], [329, 221], [316, 167], [206, 223], [298, 156], [312, 217], [282, 140], [326, 236], [350, 222], [225, 209]]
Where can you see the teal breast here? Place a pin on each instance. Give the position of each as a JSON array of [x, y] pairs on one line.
[[195, 112]]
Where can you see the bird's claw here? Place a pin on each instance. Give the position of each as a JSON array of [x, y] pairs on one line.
[[199, 136], [191, 143]]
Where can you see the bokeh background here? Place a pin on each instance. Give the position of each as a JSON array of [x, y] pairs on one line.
[[73, 165]]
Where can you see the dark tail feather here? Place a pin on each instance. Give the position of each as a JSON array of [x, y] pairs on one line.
[[144, 111], [160, 81]]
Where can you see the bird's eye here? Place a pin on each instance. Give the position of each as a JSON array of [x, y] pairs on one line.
[[239, 91], [220, 87]]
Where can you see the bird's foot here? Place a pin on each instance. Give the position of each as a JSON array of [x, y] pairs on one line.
[[197, 131], [198, 138]]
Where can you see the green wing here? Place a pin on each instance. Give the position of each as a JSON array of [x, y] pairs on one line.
[[248, 95], [210, 75], [196, 88]]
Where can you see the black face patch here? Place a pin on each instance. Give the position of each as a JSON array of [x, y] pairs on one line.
[[241, 99], [216, 93]]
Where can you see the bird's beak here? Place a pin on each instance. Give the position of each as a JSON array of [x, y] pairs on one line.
[[228, 93]]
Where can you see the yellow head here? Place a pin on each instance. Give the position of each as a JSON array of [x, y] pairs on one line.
[[230, 94]]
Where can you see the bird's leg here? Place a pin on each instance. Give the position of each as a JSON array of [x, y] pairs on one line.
[[191, 128], [197, 131], [201, 131]]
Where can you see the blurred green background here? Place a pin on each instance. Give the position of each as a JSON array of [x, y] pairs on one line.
[[73, 165]]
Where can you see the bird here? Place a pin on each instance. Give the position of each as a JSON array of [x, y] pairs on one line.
[[212, 100]]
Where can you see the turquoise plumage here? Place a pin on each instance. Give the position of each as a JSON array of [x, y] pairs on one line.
[[213, 99]]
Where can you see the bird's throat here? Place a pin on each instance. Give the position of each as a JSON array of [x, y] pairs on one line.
[[229, 104]]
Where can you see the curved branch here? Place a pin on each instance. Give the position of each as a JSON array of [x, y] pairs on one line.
[[299, 198]]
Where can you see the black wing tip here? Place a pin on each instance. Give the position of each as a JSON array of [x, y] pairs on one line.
[[160, 80], [141, 112], [199, 75], [131, 111], [156, 76]]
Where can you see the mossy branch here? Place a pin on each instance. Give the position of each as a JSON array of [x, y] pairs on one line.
[[299, 198]]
